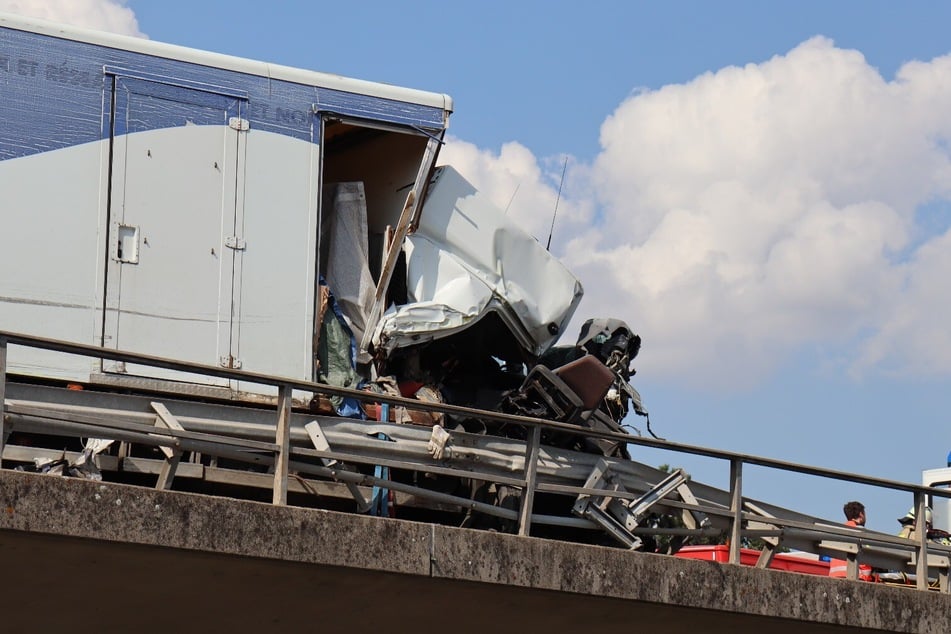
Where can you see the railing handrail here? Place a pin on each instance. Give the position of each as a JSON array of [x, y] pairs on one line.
[[446, 408]]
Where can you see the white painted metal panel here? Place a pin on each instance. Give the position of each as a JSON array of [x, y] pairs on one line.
[[50, 254], [173, 197], [274, 328]]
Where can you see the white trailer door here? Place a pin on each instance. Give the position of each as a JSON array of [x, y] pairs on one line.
[[173, 224]]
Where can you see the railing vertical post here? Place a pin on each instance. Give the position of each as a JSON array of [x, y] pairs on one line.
[[3, 392], [531, 472], [921, 526], [283, 440], [736, 508]]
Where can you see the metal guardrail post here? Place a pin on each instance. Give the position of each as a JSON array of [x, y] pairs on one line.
[[531, 473], [736, 509], [282, 439], [3, 390], [921, 563]]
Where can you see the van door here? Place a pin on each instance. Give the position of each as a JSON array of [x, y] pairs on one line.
[[176, 160]]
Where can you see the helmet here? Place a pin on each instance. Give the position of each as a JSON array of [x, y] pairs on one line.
[[909, 517]]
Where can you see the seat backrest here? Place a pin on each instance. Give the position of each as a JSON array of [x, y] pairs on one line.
[[588, 378]]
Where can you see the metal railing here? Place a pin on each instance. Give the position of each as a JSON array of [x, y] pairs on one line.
[[738, 513]]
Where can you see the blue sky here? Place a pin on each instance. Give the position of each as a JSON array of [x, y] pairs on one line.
[[762, 190]]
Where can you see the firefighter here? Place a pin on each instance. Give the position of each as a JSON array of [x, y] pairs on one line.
[[908, 528]]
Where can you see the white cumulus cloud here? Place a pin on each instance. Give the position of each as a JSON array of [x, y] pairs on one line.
[[517, 183], [753, 213], [102, 15]]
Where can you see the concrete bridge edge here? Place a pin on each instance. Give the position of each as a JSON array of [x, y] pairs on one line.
[[122, 514]]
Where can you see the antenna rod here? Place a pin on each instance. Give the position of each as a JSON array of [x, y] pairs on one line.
[[513, 197], [557, 200]]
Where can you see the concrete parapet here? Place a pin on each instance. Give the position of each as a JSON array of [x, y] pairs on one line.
[[151, 559]]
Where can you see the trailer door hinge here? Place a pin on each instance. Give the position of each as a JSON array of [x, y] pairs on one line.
[[230, 362], [236, 243], [239, 124]]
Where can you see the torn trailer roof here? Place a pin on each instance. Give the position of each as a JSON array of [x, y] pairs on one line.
[[464, 260]]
